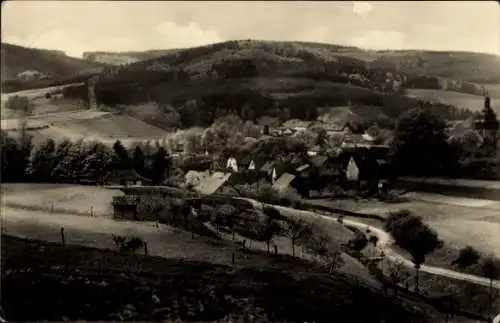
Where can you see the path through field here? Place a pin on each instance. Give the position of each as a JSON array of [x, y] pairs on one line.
[[458, 221], [385, 243]]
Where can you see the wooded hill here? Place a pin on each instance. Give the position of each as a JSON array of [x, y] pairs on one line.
[[289, 80]]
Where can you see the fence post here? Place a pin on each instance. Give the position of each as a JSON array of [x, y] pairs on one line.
[[52, 207], [91, 211], [233, 260], [146, 248], [275, 250], [63, 238], [244, 244]]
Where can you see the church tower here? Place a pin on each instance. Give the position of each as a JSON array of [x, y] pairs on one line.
[[487, 124]]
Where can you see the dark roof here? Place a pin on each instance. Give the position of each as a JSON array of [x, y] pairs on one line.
[[318, 160], [126, 175], [267, 167], [302, 167], [126, 200]]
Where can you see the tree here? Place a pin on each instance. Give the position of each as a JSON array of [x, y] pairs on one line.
[[42, 161], [397, 274], [298, 230], [490, 268], [423, 241], [266, 131], [467, 257], [13, 160], [122, 153], [420, 146], [138, 159], [272, 228], [19, 103], [411, 234], [357, 243], [161, 167]]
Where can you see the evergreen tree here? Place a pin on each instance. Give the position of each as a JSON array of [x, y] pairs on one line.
[[138, 159], [123, 158], [160, 168]]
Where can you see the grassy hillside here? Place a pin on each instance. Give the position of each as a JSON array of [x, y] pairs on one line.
[[459, 100], [256, 78], [148, 288]]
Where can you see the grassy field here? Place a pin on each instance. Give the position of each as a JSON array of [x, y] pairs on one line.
[[76, 199], [458, 226], [459, 100], [118, 126], [88, 125], [92, 284], [81, 200]]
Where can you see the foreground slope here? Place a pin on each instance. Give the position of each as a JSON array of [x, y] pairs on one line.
[[148, 288]]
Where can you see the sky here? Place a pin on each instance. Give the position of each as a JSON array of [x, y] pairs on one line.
[[79, 26]]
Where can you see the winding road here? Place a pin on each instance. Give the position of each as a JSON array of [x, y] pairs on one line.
[[385, 243]]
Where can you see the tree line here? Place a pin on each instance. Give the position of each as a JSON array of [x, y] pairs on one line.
[[78, 161]]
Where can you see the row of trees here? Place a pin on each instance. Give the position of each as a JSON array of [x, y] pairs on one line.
[[77, 161]]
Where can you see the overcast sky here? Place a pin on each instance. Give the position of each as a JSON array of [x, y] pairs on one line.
[[78, 26]]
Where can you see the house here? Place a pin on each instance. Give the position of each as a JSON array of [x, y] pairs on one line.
[[352, 170], [125, 207], [232, 164], [207, 182], [314, 151], [252, 165], [283, 182]]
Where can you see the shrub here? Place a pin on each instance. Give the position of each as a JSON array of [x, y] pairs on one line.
[[19, 103], [467, 257], [128, 244]]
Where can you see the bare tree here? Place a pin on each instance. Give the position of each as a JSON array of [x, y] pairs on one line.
[[397, 274], [298, 230]]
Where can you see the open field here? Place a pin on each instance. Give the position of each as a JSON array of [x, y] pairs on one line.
[[76, 199], [36, 93], [458, 226], [81, 200], [148, 288], [88, 125], [457, 99]]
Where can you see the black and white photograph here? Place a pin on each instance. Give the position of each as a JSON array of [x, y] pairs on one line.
[[250, 161]]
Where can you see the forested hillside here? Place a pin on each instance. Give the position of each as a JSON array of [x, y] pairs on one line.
[[256, 78]]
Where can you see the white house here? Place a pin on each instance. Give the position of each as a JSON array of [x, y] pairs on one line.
[[252, 165], [352, 171], [232, 164]]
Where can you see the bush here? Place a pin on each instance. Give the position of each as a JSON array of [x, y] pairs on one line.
[[128, 244], [467, 257], [19, 103]]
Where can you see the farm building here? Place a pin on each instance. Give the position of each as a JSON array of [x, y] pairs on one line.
[[126, 177], [125, 207], [207, 182]]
